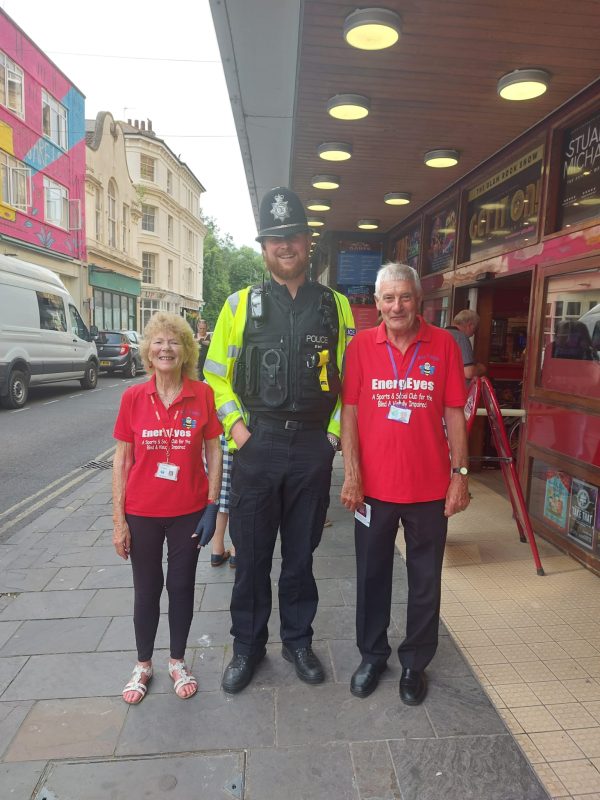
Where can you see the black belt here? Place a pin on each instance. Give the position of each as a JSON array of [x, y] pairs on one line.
[[287, 424]]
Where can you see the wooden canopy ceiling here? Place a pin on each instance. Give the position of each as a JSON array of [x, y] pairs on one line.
[[435, 88]]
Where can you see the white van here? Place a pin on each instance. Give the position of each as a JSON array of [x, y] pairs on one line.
[[42, 336]]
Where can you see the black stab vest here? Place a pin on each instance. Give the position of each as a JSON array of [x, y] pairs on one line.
[[277, 371]]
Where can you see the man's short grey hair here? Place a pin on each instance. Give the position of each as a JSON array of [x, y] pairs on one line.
[[393, 271], [466, 317]]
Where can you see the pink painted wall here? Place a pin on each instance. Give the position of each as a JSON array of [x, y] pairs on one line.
[[43, 157]]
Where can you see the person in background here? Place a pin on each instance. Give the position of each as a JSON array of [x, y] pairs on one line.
[[219, 554], [275, 365], [402, 380], [160, 494], [464, 325], [203, 339]]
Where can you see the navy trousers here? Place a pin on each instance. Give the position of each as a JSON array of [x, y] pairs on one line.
[[425, 528], [280, 480]]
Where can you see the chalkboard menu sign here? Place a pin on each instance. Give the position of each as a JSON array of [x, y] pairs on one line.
[[358, 263], [503, 210], [408, 247], [580, 196], [441, 239]]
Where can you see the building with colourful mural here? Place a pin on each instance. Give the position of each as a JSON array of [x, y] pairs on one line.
[[42, 160]]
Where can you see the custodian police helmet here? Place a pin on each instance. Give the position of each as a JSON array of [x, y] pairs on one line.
[[281, 214]]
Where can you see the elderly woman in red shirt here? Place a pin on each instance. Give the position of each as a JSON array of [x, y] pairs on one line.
[[161, 491]]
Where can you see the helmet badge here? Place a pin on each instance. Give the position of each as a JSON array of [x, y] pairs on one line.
[[280, 209]]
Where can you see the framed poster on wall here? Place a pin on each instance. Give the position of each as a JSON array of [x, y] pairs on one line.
[[580, 173], [441, 239], [582, 515]]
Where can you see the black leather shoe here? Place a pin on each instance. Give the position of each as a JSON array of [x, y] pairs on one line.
[[365, 679], [239, 672], [413, 687], [308, 667]]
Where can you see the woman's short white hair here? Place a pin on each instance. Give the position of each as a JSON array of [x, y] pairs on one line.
[[393, 271]]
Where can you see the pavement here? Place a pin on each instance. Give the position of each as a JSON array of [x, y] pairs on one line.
[[67, 649]]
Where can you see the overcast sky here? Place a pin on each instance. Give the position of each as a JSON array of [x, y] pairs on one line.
[[159, 61]]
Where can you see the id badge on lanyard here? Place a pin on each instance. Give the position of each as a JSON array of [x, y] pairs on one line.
[[397, 411], [164, 470]]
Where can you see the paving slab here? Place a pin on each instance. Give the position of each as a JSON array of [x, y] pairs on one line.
[[52, 677], [75, 556], [69, 729], [12, 715], [207, 721], [210, 628], [7, 629], [9, 669], [472, 768], [108, 577], [109, 602], [374, 771], [457, 706], [67, 579], [210, 776], [19, 781], [47, 605], [37, 637], [329, 713], [298, 773]]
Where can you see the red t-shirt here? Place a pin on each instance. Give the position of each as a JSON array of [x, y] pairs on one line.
[[404, 463], [190, 420]]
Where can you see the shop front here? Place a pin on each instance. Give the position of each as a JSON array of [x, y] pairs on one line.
[[519, 242], [114, 299]]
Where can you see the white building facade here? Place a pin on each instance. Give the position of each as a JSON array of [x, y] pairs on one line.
[[113, 213], [171, 234]]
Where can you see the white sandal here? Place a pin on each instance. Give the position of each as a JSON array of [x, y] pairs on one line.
[[185, 679], [136, 685]]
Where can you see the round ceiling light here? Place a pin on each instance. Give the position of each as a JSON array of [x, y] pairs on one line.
[[523, 84], [397, 198], [315, 222], [368, 224], [318, 205], [335, 151], [372, 28], [441, 158], [348, 106], [325, 182], [316, 233]]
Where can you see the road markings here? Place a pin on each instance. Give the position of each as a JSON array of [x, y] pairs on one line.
[[110, 385], [73, 478], [18, 410], [49, 403]]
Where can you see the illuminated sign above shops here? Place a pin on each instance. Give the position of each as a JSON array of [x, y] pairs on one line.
[[503, 210]]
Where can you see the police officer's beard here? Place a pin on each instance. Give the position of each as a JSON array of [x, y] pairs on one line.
[[287, 273]]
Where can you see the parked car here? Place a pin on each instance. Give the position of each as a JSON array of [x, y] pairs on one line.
[[117, 352], [42, 336], [135, 336]]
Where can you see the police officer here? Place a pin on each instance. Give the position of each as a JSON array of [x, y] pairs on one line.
[[275, 366]]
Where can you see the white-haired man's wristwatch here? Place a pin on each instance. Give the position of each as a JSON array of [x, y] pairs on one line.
[[460, 471]]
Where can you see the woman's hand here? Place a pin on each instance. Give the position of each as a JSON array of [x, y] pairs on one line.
[[121, 538]]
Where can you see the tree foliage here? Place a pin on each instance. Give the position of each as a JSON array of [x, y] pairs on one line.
[[227, 268]]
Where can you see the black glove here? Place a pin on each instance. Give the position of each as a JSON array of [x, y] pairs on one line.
[[206, 527]]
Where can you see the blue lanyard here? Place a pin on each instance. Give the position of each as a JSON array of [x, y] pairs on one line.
[[410, 366]]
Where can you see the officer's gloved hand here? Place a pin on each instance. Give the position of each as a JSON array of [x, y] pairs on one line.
[[206, 527]]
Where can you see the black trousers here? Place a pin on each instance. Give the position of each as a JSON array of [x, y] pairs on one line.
[[425, 528], [280, 480], [147, 539]]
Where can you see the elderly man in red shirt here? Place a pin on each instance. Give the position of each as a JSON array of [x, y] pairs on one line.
[[403, 379]]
